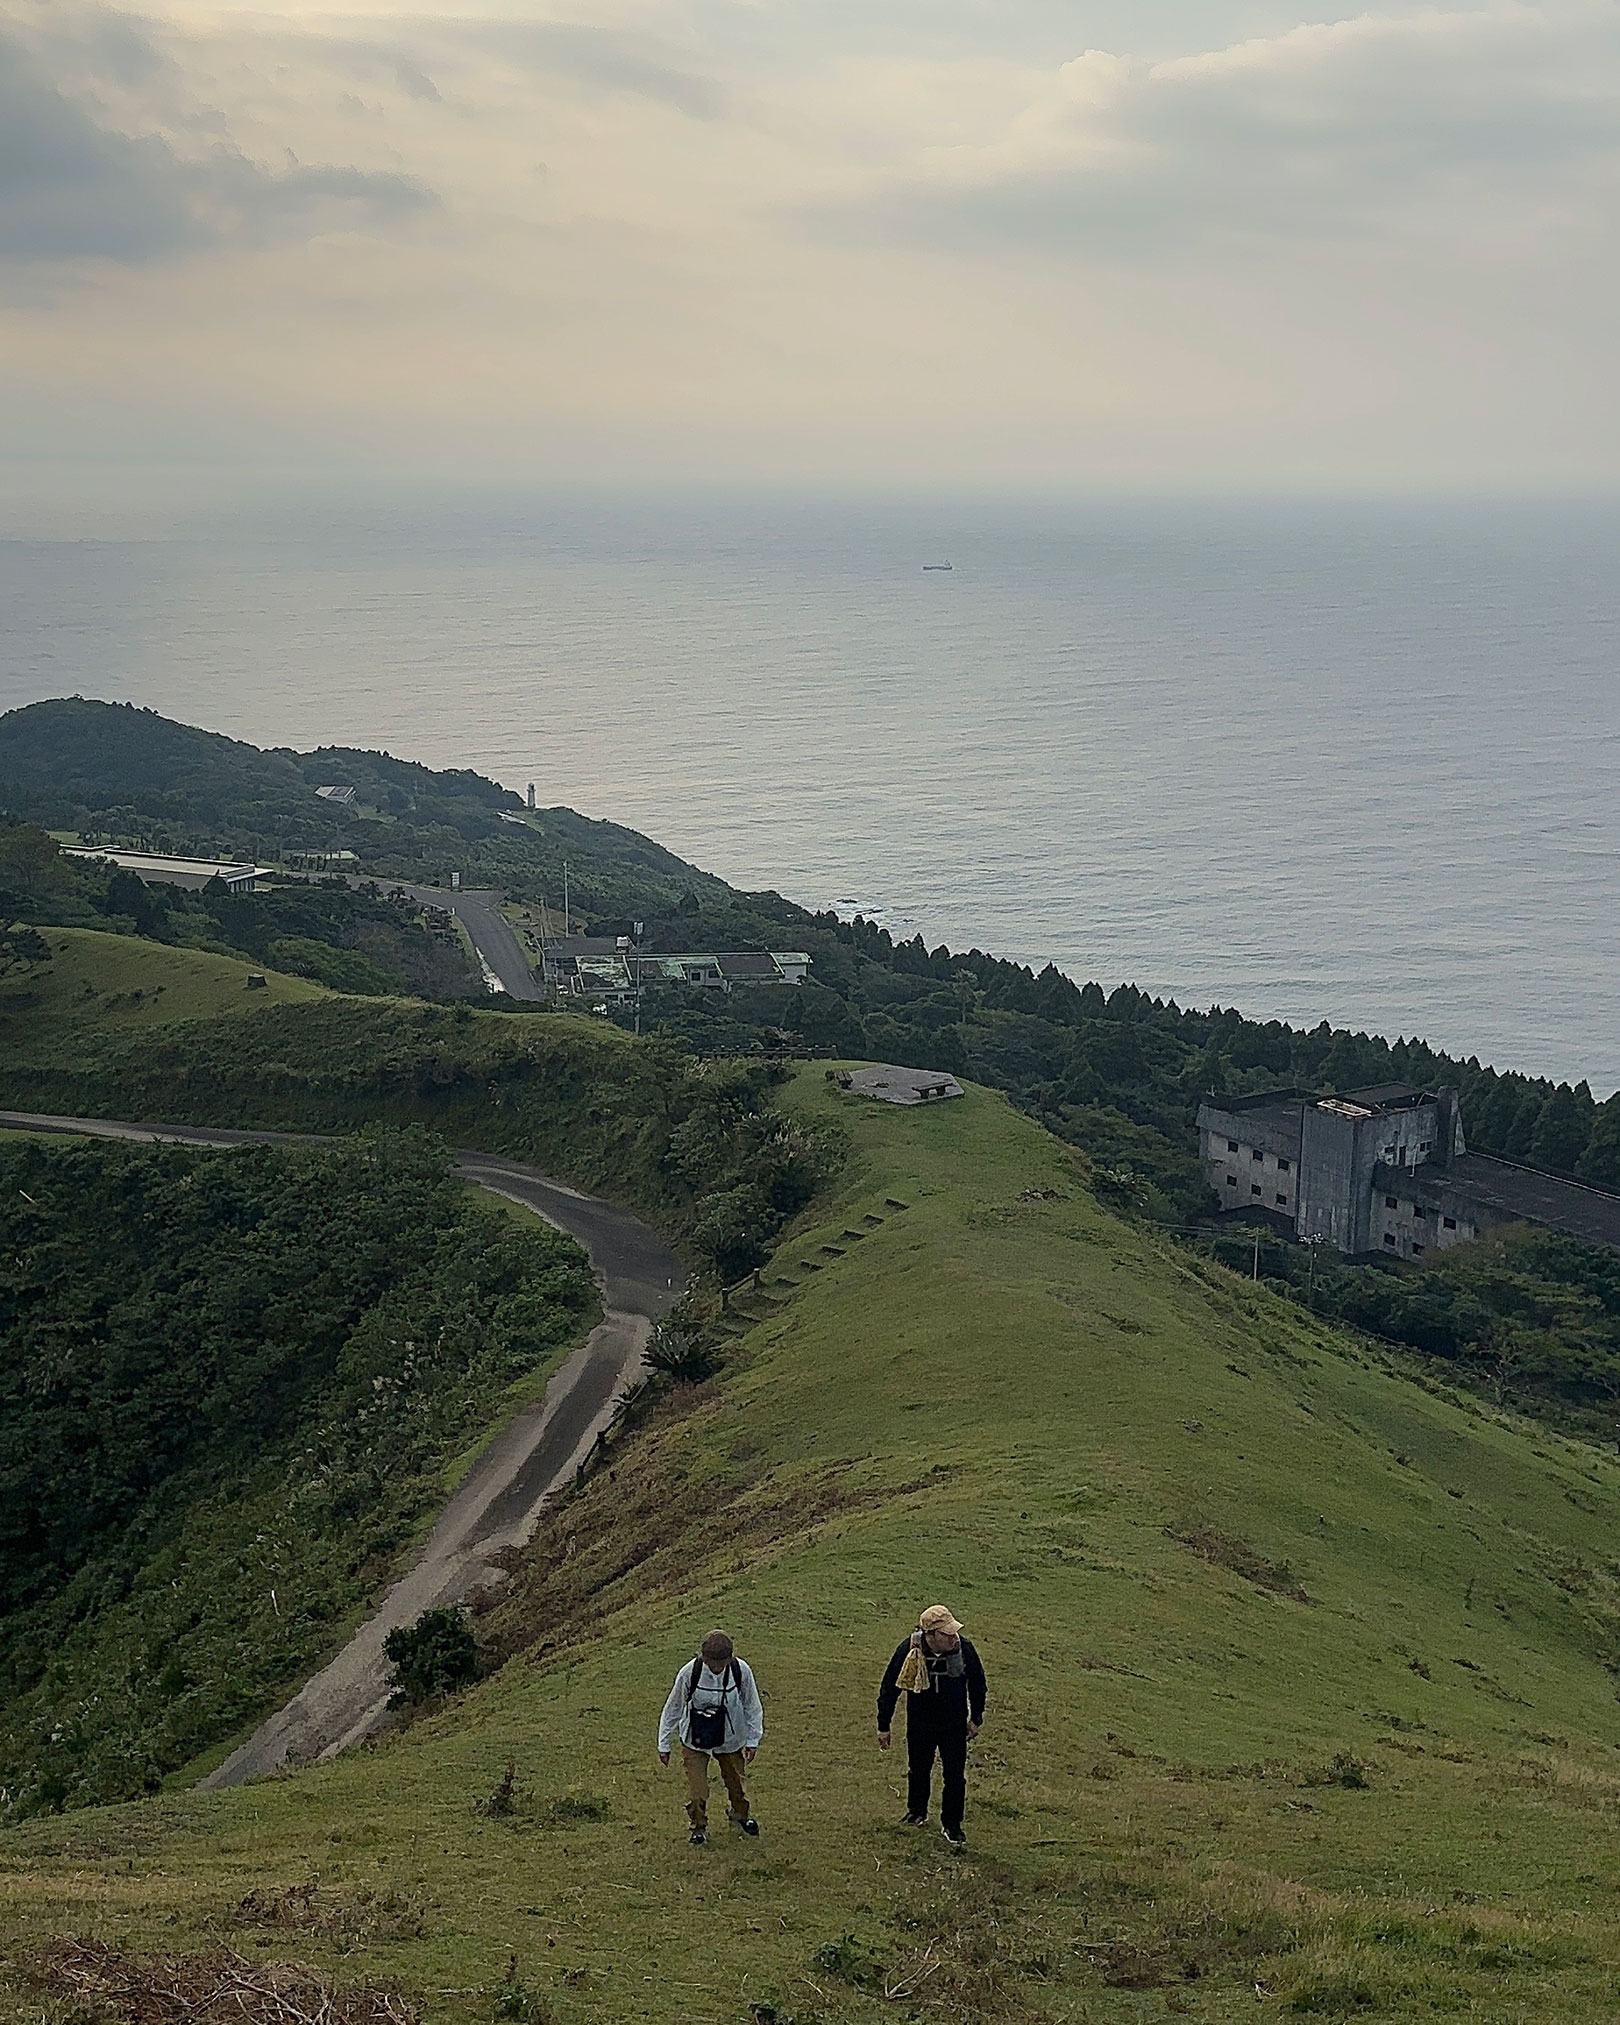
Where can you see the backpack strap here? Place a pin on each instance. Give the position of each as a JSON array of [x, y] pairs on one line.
[[732, 1677]]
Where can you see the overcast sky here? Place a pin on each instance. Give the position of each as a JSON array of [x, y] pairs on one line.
[[1164, 243]]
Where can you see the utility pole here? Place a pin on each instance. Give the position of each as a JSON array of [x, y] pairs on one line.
[[565, 897], [1256, 1272]]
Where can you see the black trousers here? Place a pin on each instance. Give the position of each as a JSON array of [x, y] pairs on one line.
[[922, 1742]]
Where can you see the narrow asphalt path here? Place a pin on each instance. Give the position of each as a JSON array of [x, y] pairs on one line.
[[478, 909], [493, 936], [500, 1499]]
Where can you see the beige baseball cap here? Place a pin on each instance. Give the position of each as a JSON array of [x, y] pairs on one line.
[[937, 1618]]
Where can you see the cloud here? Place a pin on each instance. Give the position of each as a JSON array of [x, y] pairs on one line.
[[76, 187], [1470, 123], [604, 59]]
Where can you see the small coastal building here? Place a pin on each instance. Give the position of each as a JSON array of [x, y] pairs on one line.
[[342, 796], [1380, 1173], [158, 870]]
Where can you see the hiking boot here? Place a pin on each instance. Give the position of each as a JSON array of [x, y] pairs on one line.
[[956, 1837], [698, 1837], [748, 1827], [914, 1821]]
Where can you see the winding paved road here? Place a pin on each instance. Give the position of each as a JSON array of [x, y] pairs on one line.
[[478, 909], [499, 1500], [493, 936]]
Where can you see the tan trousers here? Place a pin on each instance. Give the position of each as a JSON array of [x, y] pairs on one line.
[[697, 1784]]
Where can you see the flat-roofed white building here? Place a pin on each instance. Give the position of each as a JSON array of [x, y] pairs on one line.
[[158, 870]]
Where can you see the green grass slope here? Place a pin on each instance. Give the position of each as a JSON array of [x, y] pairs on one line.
[[1301, 1671], [1300, 1688], [92, 1034], [99, 986]]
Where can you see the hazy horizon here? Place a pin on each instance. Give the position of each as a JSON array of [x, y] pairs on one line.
[[1342, 762]]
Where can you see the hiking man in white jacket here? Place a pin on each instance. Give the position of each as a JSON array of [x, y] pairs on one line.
[[714, 1709]]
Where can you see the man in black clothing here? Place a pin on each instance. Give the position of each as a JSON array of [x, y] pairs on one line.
[[943, 1682]]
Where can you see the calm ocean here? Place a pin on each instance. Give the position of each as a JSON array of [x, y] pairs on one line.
[[1353, 762]]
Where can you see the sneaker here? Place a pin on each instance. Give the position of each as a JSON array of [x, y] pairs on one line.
[[955, 1837], [748, 1827], [914, 1821], [698, 1837]]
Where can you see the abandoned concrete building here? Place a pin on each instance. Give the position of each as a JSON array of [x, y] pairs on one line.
[[1384, 1172]]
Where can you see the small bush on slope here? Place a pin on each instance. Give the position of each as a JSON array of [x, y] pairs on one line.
[[434, 1656]]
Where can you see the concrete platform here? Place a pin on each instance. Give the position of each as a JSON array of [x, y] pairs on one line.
[[892, 1085]]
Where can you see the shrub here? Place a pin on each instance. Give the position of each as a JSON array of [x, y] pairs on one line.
[[434, 1656], [680, 1355], [851, 1960]]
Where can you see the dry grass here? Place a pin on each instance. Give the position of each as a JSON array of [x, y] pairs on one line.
[[353, 1918], [659, 1528], [220, 1987], [1240, 1559]]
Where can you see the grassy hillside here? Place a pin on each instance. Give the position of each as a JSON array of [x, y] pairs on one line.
[[101, 987], [1301, 1700], [116, 1027]]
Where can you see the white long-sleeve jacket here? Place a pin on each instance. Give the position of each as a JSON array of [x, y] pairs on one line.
[[745, 1719]]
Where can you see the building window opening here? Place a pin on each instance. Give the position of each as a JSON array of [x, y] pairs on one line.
[[1257, 1154], [1254, 1188], [1389, 1239], [1417, 1251], [1390, 1202], [1231, 1146], [1450, 1222], [1282, 1202], [1231, 1181], [1282, 1164]]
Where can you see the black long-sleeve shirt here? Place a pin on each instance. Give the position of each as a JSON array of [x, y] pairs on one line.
[[947, 1703]]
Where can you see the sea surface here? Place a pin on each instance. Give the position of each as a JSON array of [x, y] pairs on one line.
[[1355, 762]]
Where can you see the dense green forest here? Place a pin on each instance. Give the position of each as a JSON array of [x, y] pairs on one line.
[[229, 1384]]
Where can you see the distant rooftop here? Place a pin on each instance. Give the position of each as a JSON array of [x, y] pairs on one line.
[[165, 871], [1378, 1098], [1259, 1102], [1538, 1198]]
